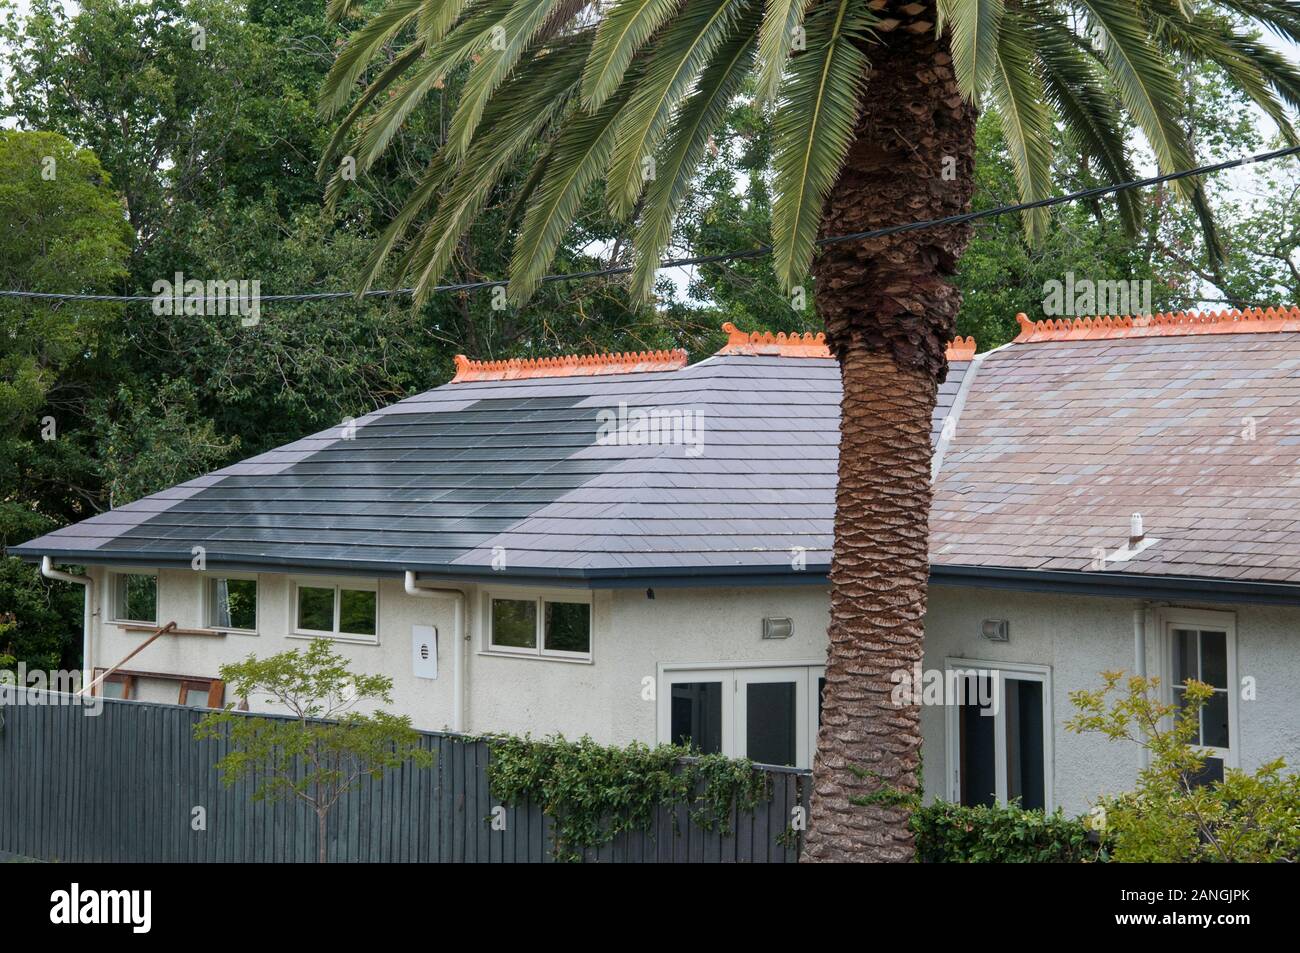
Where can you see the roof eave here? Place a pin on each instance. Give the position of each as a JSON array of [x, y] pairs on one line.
[[1110, 584]]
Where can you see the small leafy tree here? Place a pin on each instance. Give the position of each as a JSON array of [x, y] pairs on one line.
[[325, 749], [1170, 816]]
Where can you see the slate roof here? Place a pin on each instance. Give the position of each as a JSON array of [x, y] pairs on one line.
[[1195, 424], [1059, 439]]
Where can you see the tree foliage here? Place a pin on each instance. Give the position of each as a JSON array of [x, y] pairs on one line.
[[326, 748]]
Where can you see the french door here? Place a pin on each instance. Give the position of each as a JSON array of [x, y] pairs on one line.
[[999, 733], [768, 714]]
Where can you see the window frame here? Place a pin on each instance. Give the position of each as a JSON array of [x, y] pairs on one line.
[[1023, 671], [213, 686], [337, 583], [115, 612], [206, 604], [1210, 620], [539, 597], [805, 673], [128, 678]]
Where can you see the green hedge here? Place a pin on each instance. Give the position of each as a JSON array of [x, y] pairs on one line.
[[953, 834]]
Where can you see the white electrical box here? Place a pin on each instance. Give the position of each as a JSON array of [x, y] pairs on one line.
[[424, 651]]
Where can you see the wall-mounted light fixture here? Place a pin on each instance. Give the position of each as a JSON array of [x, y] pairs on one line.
[[996, 630], [774, 628]]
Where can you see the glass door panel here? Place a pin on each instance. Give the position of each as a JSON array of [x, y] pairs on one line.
[[696, 715], [771, 718]]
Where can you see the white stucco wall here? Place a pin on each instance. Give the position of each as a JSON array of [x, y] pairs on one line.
[[634, 637]]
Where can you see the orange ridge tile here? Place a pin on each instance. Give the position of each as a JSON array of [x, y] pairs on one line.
[[809, 345], [780, 344], [1174, 323], [570, 365], [961, 348]]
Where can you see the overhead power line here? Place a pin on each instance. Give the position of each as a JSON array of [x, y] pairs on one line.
[[759, 252]]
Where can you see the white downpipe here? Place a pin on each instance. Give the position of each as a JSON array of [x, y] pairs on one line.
[[49, 572], [1140, 658], [457, 641]]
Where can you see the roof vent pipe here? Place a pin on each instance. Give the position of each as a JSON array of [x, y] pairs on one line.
[[1135, 532]]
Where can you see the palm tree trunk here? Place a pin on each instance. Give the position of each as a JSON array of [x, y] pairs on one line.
[[889, 310]]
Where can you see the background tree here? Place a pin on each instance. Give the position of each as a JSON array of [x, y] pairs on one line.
[[874, 124], [325, 750], [65, 232]]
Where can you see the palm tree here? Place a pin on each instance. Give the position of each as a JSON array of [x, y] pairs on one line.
[[874, 109]]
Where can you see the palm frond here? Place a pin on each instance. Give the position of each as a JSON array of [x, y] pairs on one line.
[[1026, 121], [974, 30], [782, 19], [703, 112], [513, 121], [362, 47], [336, 10], [506, 43], [580, 153], [394, 71], [1282, 17], [455, 50], [814, 127], [1279, 72], [621, 34], [1146, 85], [671, 67], [437, 17], [1206, 38], [1073, 84]]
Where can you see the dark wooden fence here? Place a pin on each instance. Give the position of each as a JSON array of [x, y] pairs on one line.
[[124, 785]]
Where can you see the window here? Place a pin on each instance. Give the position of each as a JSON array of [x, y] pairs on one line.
[[540, 626], [117, 685], [232, 604], [342, 610], [202, 692], [1202, 645], [135, 597], [162, 688], [769, 714], [999, 733], [1203, 655]]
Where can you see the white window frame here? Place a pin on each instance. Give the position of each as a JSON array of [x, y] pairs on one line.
[[1023, 671], [336, 583], [1171, 618], [805, 673], [206, 605], [115, 611], [540, 597]]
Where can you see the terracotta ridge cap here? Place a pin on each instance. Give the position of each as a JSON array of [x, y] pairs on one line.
[[1161, 324], [808, 344], [780, 344], [568, 365]]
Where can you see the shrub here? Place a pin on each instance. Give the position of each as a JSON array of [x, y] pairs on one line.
[[594, 792], [1006, 833], [1170, 817]]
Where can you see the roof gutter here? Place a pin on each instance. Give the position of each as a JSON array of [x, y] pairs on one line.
[[1104, 583], [1128, 585], [88, 584]]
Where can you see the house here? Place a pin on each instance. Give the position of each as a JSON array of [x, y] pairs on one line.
[[635, 548]]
